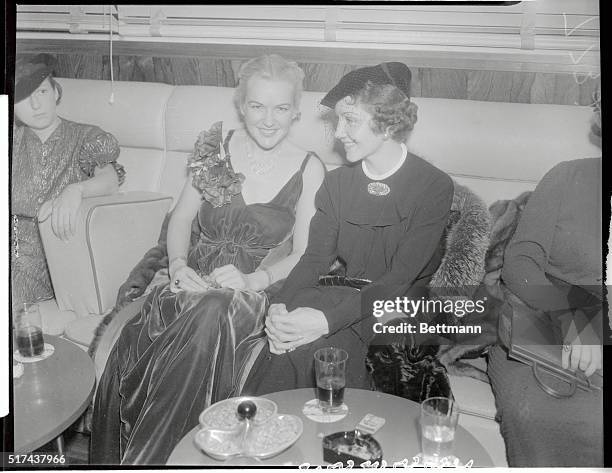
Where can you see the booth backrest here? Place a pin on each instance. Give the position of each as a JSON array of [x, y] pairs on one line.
[[497, 149]]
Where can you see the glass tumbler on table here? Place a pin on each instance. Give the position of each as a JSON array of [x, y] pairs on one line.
[[439, 417], [330, 370], [28, 330]]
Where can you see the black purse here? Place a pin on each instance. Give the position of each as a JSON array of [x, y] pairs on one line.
[[337, 280]]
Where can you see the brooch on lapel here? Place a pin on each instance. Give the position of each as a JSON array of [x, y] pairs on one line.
[[378, 188]]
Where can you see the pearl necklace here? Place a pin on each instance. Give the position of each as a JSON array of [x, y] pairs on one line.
[[377, 187], [260, 166]]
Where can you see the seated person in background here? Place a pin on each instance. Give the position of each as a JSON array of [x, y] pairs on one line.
[[383, 215], [555, 253], [192, 341], [56, 163]]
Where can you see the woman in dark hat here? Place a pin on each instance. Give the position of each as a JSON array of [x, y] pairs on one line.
[[56, 163], [383, 216]]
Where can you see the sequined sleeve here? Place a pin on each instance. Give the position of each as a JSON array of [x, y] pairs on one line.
[[100, 149]]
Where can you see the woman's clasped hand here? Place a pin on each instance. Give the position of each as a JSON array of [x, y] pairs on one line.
[[289, 330], [230, 276], [185, 278]]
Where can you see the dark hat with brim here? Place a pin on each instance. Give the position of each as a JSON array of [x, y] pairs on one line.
[[393, 73], [30, 73]]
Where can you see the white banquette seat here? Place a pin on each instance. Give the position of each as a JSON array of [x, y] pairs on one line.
[[496, 149]]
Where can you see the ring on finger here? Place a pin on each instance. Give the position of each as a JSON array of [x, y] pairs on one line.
[[567, 347]]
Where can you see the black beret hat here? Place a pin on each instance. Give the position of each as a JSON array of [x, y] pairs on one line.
[[30, 73], [393, 73]]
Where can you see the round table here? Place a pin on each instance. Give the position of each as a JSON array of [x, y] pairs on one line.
[[399, 437], [51, 395]]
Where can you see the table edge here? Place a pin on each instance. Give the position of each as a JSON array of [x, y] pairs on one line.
[[29, 447], [211, 465]]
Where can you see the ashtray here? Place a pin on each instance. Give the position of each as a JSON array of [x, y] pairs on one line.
[[345, 446], [264, 441], [223, 415]]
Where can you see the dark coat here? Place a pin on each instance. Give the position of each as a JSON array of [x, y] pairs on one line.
[[392, 240]]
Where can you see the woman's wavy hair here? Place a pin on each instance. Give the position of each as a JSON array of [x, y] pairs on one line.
[[271, 66], [56, 85], [392, 111]]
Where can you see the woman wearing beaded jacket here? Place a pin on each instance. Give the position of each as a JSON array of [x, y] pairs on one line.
[[56, 163]]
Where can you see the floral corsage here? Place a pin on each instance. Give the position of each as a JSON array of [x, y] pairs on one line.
[[212, 173]]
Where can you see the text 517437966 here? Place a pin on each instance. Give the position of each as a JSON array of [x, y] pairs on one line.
[[17, 460]]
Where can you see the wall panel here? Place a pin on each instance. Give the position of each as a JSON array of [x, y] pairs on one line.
[[443, 82]]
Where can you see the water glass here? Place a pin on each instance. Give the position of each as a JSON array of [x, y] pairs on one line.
[[330, 370], [439, 417], [28, 330]]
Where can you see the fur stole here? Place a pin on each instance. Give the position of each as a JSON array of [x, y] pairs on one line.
[[505, 215], [465, 240]]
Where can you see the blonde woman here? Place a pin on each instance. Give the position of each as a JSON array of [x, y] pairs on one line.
[[251, 192]]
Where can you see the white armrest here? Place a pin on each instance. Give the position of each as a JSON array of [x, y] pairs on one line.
[[113, 233]]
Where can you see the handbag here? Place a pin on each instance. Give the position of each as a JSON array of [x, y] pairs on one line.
[[337, 280], [536, 341]]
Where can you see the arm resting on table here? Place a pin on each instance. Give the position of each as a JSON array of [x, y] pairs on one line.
[[113, 232]]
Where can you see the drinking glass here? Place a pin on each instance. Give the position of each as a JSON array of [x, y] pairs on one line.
[[439, 417], [330, 370], [28, 330]]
